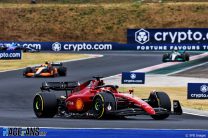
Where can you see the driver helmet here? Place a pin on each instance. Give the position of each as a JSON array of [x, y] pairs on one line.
[[175, 49], [101, 83]]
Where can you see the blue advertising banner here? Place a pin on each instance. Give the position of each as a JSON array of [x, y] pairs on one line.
[[69, 46], [192, 39], [100, 133], [197, 91], [133, 78], [10, 54], [105, 46]]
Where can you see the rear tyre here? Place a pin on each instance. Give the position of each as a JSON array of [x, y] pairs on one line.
[[45, 105], [24, 50], [186, 57], [27, 70], [54, 72], [62, 71], [165, 57], [103, 104], [160, 99]]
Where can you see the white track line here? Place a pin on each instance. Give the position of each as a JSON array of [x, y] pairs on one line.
[[195, 114], [187, 68]]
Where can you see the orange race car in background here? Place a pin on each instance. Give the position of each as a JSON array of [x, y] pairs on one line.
[[46, 70]]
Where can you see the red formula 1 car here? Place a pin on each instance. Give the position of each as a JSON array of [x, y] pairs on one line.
[[46, 70], [97, 100]]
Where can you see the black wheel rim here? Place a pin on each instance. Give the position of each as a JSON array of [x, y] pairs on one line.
[[38, 105], [98, 107]]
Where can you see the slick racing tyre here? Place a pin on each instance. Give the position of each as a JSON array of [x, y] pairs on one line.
[[103, 104], [62, 71], [54, 72], [186, 56], [160, 99], [27, 70], [165, 57], [45, 105]]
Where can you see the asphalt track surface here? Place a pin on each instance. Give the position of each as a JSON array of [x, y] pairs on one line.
[[17, 92]]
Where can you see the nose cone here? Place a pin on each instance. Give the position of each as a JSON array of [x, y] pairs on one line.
[[148, 109]]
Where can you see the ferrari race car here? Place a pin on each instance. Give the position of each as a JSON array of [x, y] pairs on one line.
[[94, 99], [46, 70], [176, 56]]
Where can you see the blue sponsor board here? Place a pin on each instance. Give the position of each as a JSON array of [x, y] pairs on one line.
[[197, 91], [192, 39], [133, 78], [10, 54], [168, 36]]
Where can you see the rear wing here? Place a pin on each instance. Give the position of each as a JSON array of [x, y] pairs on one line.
[[57, 64], [59, 86]]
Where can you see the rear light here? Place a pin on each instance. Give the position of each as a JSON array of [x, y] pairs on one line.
[[79, 104]]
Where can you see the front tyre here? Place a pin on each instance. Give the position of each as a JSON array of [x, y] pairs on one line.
[[160, 99], [103, 104], [186, 57], [62, 71], [165, 57], [45, 105], [27, 70]]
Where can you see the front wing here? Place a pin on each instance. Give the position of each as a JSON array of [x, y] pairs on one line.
[[175, 60], [38, 75]]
